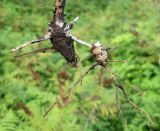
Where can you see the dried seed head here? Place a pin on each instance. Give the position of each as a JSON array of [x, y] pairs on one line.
[[100, 54]]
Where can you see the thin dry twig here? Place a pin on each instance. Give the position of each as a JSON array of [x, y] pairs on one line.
[[80, 79], [128, 99], [42, 50], [68, 33], [71, 88], [78, 40], [124, 122], [71, 24], [83, 59], [137, 107], [117, 60], [43, 38], [49, 109]]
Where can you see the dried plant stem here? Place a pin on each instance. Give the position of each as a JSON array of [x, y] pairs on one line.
[[78, 40], [80, 79], [71, 89], [50, 108], [137, 107], [117, 60], [43, 38], [68, 33], [71, 24], [128, 99], [124, 122], [43, 50], [84, 59]]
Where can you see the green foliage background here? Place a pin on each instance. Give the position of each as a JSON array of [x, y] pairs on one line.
[[30, 85]]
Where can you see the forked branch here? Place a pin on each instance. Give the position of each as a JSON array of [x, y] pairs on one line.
[[118, 86]]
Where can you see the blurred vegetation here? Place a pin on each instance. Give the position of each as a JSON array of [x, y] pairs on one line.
[[30, 85]]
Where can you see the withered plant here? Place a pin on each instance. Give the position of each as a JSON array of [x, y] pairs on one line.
[[62, 41]]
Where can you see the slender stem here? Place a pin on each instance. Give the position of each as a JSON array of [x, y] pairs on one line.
[[70, 89], [128, 99], [78, 40], [43, 38], [124, 122], [117, 60], [84, 58], [49, 109], [137, 107], [71, 24], [43, 50], [80, 79]]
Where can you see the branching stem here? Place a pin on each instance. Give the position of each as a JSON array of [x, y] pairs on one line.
[[117, 85], [71, 88], [78, 40], [124, 122]]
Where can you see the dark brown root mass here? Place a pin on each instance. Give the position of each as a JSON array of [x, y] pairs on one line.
[[64, 45]]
